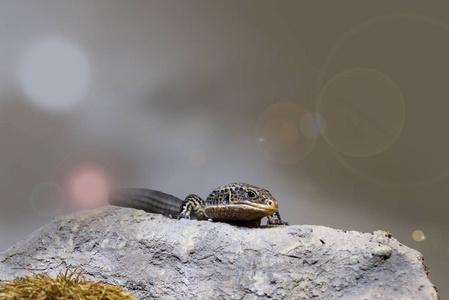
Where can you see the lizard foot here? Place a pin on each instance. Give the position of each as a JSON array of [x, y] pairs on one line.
[[275, 219], [183, 216], [277, 223]]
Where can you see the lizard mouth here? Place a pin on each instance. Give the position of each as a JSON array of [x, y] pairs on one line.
[[270, 207], [242, 210]]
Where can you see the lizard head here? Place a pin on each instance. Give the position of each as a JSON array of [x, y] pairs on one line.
[[240, 202], [255, 197]]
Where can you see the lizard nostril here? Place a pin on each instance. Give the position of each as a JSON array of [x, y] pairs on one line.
[[270, 203]]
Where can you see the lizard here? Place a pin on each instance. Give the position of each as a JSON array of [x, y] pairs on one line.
[[235, 203]]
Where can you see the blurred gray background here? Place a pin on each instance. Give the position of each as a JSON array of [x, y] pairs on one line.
[[338, 108]]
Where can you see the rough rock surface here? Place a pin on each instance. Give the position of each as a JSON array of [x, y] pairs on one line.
[[156, 257]]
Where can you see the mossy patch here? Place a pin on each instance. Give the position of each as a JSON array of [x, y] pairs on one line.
[[67, 285]]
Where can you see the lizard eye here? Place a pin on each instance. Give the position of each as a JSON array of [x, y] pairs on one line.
[[251, 194]]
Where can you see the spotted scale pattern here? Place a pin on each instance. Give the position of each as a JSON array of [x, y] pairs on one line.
[[234, 203]]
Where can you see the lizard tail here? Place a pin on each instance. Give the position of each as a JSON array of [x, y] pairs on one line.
[[148, 200]]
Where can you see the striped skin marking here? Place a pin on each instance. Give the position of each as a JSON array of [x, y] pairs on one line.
[[195, 203]]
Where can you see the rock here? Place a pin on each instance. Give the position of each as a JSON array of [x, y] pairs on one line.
[[156, 257]]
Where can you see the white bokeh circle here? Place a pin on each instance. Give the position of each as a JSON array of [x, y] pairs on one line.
[[54, 73]]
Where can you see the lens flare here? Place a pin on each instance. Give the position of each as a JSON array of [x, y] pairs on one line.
[[279, 136], [367, 24], [47, 199], [54, 73], [364, 112], [312, 125], [349, 51]]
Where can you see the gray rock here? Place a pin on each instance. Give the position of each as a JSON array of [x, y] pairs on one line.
[[156, 257]]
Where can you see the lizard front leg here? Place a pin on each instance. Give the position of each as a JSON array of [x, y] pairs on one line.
[[275, 219], [195, 203]]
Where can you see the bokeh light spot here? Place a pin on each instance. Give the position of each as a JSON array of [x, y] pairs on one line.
[[197, 157], [87, 176], [54, 73], [364, 112], [312, 125], [279, 135], [88, 185], [418, 236], [47, 199]]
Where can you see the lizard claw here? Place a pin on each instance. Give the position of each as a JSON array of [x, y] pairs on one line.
[[183, 216], [276, 223], [275, 219]]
